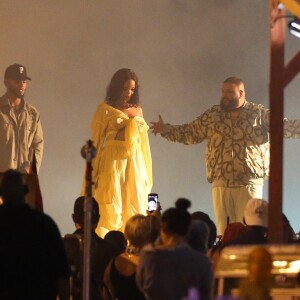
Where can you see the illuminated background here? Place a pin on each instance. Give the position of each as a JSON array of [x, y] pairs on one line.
[[181, 50]]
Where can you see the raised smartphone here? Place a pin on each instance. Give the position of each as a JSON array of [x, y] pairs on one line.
[[152, 202]]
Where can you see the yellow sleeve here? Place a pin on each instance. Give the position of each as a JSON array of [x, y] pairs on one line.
[[147, 157], [137, 132], [98, 128]]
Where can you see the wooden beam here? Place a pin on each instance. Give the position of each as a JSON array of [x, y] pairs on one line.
[[292, 69], [293, 6], [276, 94]]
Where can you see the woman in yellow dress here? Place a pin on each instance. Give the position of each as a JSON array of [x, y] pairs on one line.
[[122, 168]]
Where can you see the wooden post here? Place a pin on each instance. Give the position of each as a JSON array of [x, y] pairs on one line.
[[276, 94]]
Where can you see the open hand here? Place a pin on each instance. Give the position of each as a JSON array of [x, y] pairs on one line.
[[157, 127]]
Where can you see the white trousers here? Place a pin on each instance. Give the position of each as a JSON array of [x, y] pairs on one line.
[[229, 203]]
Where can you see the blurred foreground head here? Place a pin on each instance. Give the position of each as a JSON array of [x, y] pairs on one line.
[[117, 241], [78, 214], [137, 231], [198, 235], [13, 189], [259, 265], [199, 215], [177, 220]]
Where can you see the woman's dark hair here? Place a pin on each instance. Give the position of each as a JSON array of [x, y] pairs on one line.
[[199, 215], [177, 220], [116, 86], [116, 241]]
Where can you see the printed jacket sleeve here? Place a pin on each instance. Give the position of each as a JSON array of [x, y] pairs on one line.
[[190, 133], [291, 129]]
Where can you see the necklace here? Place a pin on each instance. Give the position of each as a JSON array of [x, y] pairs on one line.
[[128, 105]]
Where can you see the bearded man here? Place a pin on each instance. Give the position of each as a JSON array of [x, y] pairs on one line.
[[237, 150]]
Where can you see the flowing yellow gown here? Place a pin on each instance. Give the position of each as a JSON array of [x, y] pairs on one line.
[[122, 169]]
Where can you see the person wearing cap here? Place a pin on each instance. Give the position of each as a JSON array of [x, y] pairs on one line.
[[21, 134], [237, 151], [256, 220], [33, 262]]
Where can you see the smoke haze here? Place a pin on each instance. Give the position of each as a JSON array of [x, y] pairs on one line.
[[181, 50]]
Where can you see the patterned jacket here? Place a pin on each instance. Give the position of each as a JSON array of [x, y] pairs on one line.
[[236, 154]]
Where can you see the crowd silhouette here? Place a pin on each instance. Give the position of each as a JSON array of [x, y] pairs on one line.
[[172, 255]]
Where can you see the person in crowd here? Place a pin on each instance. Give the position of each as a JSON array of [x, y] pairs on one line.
[[197, 236], [154, 224], [116, 241], [232, 232], [237, 151], [122, 168], [256, 220], [258, 284], [21, 135], [100, 250], [121, 272], [202, 216], [170, 269], [33, 262], [289, 235], [252, 231]]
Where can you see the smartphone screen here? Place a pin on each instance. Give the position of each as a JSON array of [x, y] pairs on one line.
[[152, 202]]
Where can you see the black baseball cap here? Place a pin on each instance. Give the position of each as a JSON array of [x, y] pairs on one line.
[[17, 72]]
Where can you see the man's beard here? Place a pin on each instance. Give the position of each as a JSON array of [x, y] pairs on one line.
[[230, 104], [17, 92]]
